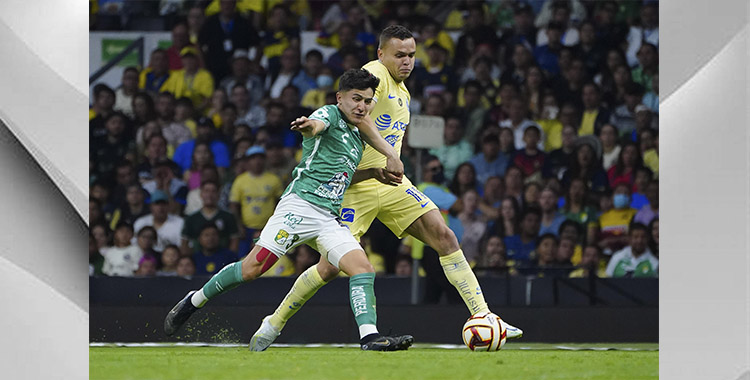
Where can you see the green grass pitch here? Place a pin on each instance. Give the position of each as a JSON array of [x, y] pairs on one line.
[[515, 361]]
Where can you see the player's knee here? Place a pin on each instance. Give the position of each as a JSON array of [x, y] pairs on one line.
[[327, 271], [250, 269], [448, 242]]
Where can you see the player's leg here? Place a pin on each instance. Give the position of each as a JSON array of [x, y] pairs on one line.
[[251, 267], [431, 229], [351, 259], [359, 208]]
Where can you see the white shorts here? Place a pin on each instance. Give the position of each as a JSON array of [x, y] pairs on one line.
[[296, 221]]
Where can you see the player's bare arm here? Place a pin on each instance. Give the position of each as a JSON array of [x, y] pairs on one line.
[[380, 174], [371, 136], [308, 127]]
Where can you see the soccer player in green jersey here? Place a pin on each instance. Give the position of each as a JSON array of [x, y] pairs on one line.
[[309, 208]]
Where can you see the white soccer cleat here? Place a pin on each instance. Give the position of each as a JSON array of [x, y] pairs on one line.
[[265, 335], [512, 332]]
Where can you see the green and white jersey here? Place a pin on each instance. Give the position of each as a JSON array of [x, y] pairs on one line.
[[329, 160]]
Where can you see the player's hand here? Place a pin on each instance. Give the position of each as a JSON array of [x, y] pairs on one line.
[[302, 124], [394, 166], [386, 177]]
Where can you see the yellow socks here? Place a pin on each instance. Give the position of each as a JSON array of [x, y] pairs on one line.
[[459, 274], [304, 288]]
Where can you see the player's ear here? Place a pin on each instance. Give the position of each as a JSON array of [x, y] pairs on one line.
[[380, 53], [338, 96]]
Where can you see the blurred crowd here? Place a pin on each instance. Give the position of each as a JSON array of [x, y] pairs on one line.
[[551, 157]]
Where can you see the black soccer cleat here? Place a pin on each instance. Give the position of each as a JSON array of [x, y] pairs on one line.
[[179, 315], [389, 343]]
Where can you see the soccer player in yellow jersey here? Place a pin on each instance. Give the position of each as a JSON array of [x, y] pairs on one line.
[[394, 200]]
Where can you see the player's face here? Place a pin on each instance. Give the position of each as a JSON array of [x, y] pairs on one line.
[[398, 57], [355, 104]]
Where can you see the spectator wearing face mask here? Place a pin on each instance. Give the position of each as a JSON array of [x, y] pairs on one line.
[[614, 223]]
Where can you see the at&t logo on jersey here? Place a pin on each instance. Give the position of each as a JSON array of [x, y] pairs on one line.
[[383, 121], [347, 215]]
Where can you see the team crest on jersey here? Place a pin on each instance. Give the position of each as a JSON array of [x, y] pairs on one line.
[[347, 215], [334, 188]]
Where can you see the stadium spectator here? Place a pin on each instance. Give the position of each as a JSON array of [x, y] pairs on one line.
[[155, 150], [211, 257], [185, 267], [145, 240], [653, 229], [507, 143], [324, 84], [589, 48], [194, 201], [403, 266], [290, 99], [133, 207], [209, 213], [253, 196], [543, 263], [627, 164], [523, 30], [610, 148], [624, 115], [648, 59], [282, 76], [649, 212], [191, 82], [180, 40], [590, 264], [222, 34], [122, 258], [573, 231], [651, 98], [307, 78], [124, 94], [514, 183], [278, 35], [519, 246], [577, 209], [530, 159], [533, 90], [518, 122], [614, 223], [102, 236], [552, 219], [489, 162], [573, 77], [146, 267], [493, 260], [174, 132], [435, 76], [169, 259], [278, 162], [165, 180], [250, 114], [521, 64], [595, 116], [244, 72], [219, 100], [96, 215], [547, 55], [205, 133], [465, 180], [96, 260], [195, 19], [473, 225], [531, 193], [143, 109], [184, 110], [558, 160], [153, 77], [565, 250], [476, 33], [636, 259], [202, 157], [125, 176], [587, 166], [167, 226], [489, 204], [473, 111], [106, 151]]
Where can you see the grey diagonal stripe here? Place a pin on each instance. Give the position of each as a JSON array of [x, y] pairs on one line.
[[691, 34], [46, 114], [39, 230]]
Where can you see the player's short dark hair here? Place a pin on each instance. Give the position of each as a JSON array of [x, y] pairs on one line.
[[359, 79], [394, 31]]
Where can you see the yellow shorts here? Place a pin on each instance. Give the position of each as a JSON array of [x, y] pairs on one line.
[[396, 206]]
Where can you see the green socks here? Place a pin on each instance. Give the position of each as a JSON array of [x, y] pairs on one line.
[[362, 300]]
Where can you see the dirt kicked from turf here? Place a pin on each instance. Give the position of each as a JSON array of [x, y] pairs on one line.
[[515, 361]]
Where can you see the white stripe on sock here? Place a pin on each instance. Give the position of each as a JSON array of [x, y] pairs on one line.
[[198, 299], [366, 330]]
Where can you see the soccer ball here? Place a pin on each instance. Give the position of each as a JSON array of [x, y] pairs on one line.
[[484, 332]]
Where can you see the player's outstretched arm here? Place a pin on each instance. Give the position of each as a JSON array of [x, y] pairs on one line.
[[373, 137], [308, 127]]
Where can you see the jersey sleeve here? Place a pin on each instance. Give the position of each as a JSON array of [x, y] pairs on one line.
[[324, 114]]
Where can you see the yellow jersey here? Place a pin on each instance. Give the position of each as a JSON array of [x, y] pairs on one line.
[[391, 114], [257, 197], [198, 88]]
